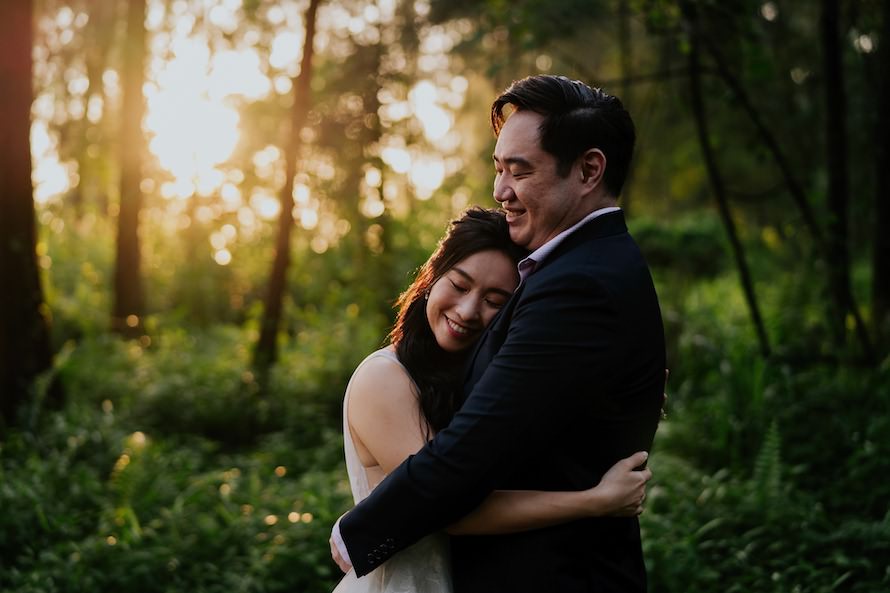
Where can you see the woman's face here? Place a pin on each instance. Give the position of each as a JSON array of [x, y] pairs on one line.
[[466, 298]]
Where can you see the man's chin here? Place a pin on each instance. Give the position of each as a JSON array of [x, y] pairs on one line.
[[519, 237]]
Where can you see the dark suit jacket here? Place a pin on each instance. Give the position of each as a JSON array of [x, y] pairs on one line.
[[567, 380]]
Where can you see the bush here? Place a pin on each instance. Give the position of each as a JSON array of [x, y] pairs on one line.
[[140, 485]]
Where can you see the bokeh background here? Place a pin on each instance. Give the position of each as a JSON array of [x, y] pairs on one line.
[[208, 208]]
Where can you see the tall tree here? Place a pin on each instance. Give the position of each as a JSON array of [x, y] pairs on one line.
[[717, 183], [836, 158], [24, 334], [129, 304], [881, 253], [837, 166], [266, 351]]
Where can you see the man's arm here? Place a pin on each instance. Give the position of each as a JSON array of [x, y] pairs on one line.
[[558, 334]]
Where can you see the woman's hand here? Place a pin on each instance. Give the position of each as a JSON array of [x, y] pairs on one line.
[[622, 489]]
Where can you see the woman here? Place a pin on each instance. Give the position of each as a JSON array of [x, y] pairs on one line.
[[401, 395]]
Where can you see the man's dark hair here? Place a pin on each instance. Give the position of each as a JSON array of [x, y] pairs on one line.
[[576, 119]]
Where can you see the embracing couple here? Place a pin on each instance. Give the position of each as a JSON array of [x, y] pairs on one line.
[[498, 443]]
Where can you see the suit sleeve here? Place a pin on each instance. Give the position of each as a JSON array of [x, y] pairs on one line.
[[559, 337]]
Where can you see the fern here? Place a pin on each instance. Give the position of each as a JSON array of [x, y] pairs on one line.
[[767, 477]]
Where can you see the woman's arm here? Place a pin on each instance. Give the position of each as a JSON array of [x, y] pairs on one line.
[[620, 493]]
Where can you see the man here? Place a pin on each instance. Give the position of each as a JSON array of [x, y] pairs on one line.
[[567, 379]]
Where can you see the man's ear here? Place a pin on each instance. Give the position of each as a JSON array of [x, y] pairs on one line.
[[593, 167]]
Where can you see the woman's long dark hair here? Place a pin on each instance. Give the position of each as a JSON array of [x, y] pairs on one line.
[[435, 371]]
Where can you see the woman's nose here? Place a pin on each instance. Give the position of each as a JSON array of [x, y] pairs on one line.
[[468, 308]]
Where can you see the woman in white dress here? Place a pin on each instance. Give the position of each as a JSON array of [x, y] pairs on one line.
[[399, 396]]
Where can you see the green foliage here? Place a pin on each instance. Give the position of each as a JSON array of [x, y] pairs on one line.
[[163, 472], [718, 532], [117, 493], [693, 246]]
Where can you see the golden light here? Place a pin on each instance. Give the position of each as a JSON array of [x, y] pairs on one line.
[[264, 203], [280, 471], [285, 50], [293, 517], [436, 121], [372, 206], [319, 245], [192, 124], [223, 257], [864, 43], [270, 520], [373, 177], [397, 158], [427, 175], [248, 79], [231, 195], [308, 218], [50, 176], [229, 232], [218, 240], [137, 440], [191, 135]]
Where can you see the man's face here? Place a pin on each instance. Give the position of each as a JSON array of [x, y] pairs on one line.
[[539, 203]]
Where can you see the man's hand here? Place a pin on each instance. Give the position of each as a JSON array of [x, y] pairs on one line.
[[335, 554]]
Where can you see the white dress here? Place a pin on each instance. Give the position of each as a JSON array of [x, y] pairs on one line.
[[421, 568]]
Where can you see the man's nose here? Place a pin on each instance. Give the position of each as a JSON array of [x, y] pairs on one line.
[[502, 190]]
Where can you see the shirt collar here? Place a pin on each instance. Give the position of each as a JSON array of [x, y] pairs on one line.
[[527, 265]]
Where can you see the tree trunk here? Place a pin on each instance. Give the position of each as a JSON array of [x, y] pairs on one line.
[[128, 310], [698, 109], [98, 39], [266, 351], [769, 140], [625, 58], [881, 253], [24, 334], [836, 165], [843, 300]]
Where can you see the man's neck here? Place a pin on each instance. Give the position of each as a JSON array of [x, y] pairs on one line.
[[597, 202]]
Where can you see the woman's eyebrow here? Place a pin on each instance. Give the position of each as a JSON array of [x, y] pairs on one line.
[[463, 273]]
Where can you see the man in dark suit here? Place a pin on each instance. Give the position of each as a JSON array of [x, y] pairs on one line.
[[568, 378]]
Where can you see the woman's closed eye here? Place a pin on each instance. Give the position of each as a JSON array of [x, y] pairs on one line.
[[495, 304], [459, 287]]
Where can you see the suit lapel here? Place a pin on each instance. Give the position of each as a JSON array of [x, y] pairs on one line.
[[601, 226]]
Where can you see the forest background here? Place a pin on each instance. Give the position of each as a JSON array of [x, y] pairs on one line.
[[208, 207]]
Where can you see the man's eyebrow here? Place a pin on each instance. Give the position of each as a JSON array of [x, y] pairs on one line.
[[469, 278], [513, 160]]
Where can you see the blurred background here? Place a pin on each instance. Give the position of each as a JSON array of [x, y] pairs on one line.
[[208, 208]]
